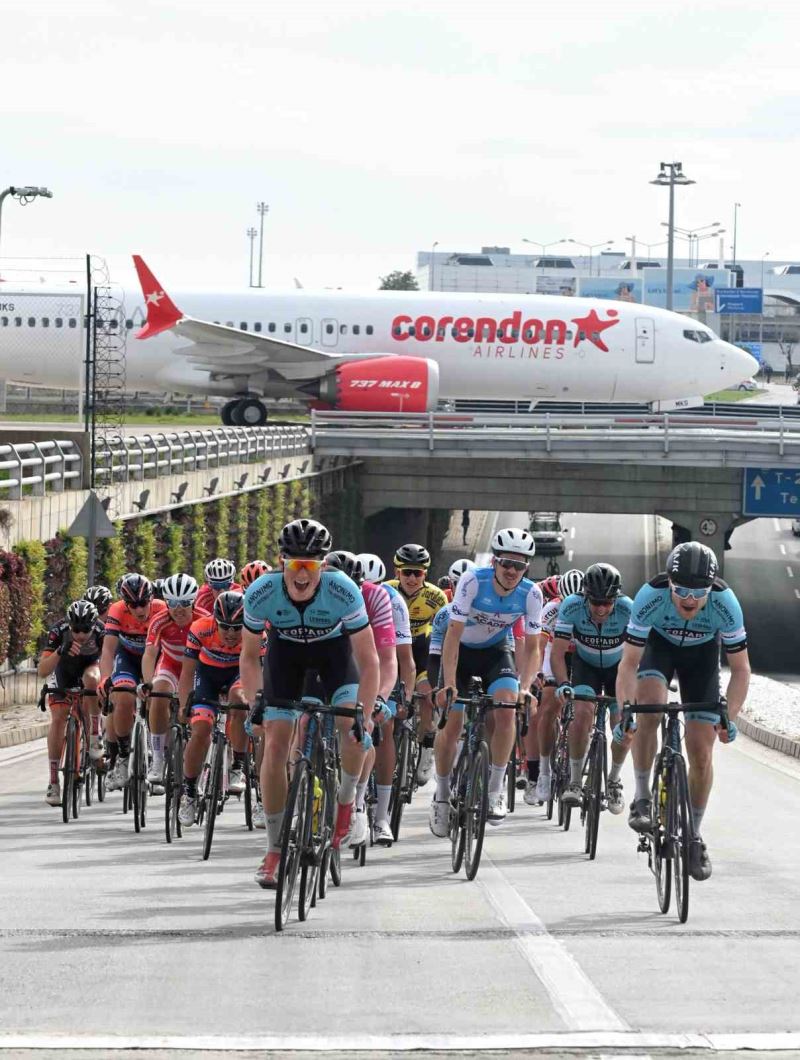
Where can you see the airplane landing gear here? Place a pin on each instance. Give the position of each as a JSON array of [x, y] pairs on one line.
[[244, 412]]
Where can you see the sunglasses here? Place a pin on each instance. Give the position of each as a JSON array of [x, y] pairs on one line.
[[512, 564], [226, 583], [176, 605], [296, 565], [689, 594], [228, 626], [81, 629], [601, 603], [412, 573]]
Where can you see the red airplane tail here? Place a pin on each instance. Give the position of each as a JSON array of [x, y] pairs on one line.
[[162, 313]]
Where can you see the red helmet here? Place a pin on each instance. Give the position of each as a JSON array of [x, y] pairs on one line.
[[549, 588], [252, 570]]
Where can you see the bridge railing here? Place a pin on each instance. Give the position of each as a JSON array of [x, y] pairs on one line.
[[34, 468]]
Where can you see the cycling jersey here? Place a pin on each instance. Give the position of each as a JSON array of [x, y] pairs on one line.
[[402, 622], [720, 618], [488, 616], [132, 632], [337, 607], [165, 633], [422, 606], [442, 621], [379, 613], [204, 644], [549, 616], [599, 644], [204, 601], [69, 671]]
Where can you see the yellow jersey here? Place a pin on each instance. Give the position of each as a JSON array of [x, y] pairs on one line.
[[422, 606]]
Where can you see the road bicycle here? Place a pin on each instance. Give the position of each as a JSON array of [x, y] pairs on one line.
[[595, 771], [76, 766], [404, 783], [173, 770], [515, 774], [212, 785], [559, 768]]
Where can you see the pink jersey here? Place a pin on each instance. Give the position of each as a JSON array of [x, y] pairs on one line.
[[379, 613], [169, 636]]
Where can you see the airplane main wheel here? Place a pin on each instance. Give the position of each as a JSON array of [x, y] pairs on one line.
[[226, 412], [249, 412]]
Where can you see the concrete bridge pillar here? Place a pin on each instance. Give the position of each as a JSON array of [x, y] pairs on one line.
[[386, 530]]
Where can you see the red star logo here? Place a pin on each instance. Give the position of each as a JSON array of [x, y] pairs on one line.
[[590, 326]]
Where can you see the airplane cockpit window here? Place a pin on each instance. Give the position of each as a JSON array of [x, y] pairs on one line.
[[691, 336], [704, 336]]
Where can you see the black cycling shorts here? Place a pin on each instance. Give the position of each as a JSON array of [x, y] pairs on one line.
[[419, 649], [601, 680], [287, 664], [695, 665], [494, 665]]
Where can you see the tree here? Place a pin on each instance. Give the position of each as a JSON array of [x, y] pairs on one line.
[[399, 281]]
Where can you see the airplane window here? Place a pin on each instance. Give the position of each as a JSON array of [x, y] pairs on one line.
[[343, 329], [329, 329], [31, 322], [691, 335], [243, 326], [257, 326], [73, 323], [398, 330], [287, 328], [271, 327], [304, 329], [128, 325], [229, 324], [45, 322], [59, 322], [17, 322], [4, 322], [369, 329], [412, 330], [356, 329]]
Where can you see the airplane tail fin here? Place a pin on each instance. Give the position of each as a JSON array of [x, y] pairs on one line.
[[162, 313]]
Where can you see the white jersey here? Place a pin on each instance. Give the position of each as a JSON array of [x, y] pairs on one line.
[[400, 615], [487, 615]]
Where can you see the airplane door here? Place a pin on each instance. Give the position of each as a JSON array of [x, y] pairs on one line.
[[645, 341], [304, 331], [330, 332]]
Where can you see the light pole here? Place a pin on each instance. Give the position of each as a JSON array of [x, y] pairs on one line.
[[693, 236], [634, 242], [251, 235], [430, 274], [262, 209], [761, 321], [590, 247], [698, 239], [736, 207], [23, 195], [544, 246], [671, 174]]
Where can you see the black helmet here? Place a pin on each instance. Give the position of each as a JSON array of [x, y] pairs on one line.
[[602, 582], [692, 565], [158, 588], [445, 582], [304, 537], [412, 556], [229, 608], [81, 615], [99, 596], [136, 590], [348, 563]]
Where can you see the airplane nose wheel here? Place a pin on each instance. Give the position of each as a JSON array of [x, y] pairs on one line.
[[244, 412]]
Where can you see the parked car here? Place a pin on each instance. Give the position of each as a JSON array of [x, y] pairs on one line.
[[548, 533], [748, 384]]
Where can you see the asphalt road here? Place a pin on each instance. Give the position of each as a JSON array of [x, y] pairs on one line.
[[110, 939]]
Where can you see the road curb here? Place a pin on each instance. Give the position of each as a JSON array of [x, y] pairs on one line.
[[24, 734], [785, 744]]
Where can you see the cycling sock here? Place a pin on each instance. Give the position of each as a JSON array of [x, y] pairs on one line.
[[347, 788], [533, 770], [614, 772], [697, 818], [124, 746], [239, 758], [53, 770], [642, 783], [361, 794], [94, 724], [274, 822], [382, 805], [113, 751], [575, 770], [157, 740], [544, 765], [190, 786], [442, 788], [496, 777]]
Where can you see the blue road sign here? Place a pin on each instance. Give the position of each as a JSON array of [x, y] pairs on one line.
[[738, 300], [753, 347], [771, 491]]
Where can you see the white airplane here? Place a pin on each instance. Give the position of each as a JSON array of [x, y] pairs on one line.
[[391, 350]]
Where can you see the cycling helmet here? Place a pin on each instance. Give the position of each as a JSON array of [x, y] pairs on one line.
[[412, 556], [180, 590], [136, 590], [220, 570], [692, 565], [348, 563], [549, 587], [570, 582], [445, 582], [305, 537], [158, 588], [229, 608], [99, 596], [252, 570], [520, 542], [374, 568], [81, 615], [461, 566], [602, 582]]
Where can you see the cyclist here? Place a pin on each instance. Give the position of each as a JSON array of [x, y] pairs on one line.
[[69, 660], [594, 621], [318, 622], [411, 563], [379, 613], [210, 670], [677, 623], [219, 579], [541, 733], [101, 598], [252, 570], [158, 588], [441, 621], [163, 659], [445, 583], [486, 604], [121, 663]]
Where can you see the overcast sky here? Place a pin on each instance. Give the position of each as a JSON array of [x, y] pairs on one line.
[[374, 128]]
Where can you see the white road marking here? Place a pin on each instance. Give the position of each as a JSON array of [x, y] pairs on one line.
[[790, 572], [570, 554], [797, 593], [572, 533], [777, 524], [783, 549], [574, 996]]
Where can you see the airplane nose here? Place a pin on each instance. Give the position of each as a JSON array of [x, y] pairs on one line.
[[737, 364]]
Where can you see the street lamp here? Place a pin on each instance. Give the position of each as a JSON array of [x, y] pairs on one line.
[[634, 241], [23, 195], [430, 271], [590, 247], [736, 207], [693, 236], [698, 239], [764, 255], [543, 247], [262, 209], [251, 235], [671, 174]]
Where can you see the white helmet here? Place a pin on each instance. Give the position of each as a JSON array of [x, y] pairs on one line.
[[461, 566], [514, 540], [220, 570], [374, 567], [179, 590], [570, 582]]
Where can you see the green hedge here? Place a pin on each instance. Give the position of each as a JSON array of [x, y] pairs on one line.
[[34, 556]]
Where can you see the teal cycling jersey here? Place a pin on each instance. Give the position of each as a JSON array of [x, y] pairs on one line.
[[720, 619], [336, 608], [599, 644]]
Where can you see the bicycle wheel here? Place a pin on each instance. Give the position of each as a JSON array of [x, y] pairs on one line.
[[138, 779], [249, 786], [293, 835], [681, 833], [400, 783], [69, 771], [511, 779], [594, 794], [173, 785], [318, 845], [475, 810], [659, 840], [101, 783], [455, 825], [212, 796]]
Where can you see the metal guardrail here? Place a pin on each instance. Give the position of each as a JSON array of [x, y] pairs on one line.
[[37, 467]]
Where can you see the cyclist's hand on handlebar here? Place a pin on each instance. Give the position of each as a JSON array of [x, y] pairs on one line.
[[143, 690], [564, 690], [727, 734], [441, 695], [382, 712]]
